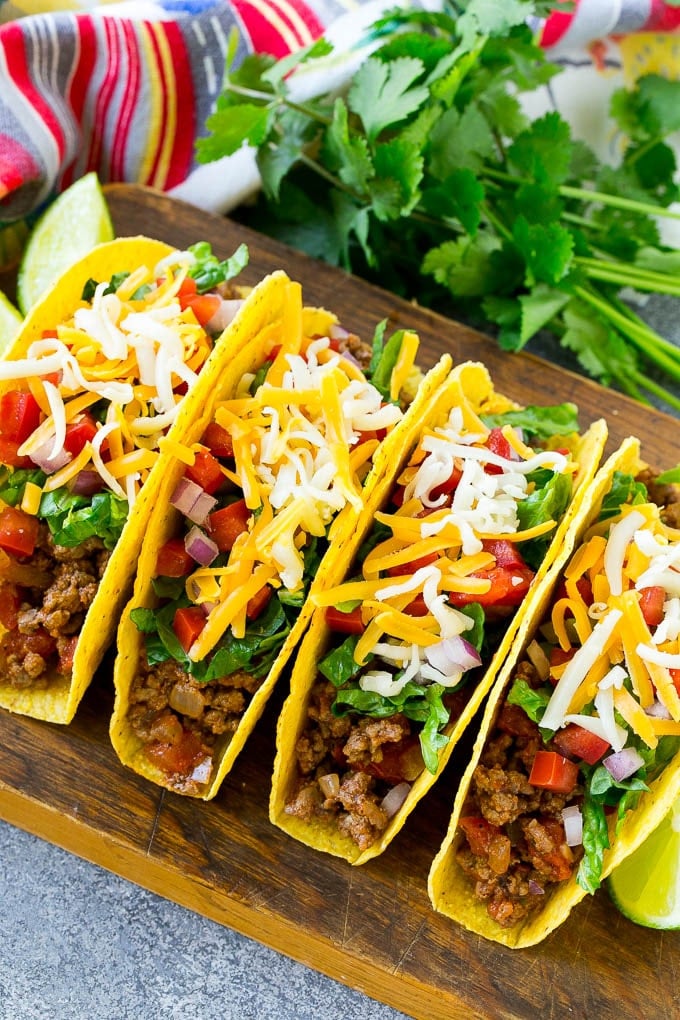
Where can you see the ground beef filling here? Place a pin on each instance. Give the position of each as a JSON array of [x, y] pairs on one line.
[[347, 765], [180, 721], [514, 845], [57, 589]]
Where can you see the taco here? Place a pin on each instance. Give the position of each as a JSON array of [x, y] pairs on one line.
[[90, 390], [252, 515], [401, 653], [578, 757]]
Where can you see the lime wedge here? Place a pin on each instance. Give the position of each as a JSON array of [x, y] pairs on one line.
[[646, 886], [10, 320], [72, 225]]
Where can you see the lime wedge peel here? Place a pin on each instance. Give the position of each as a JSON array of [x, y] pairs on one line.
[[75, 222], [645, 887], [10, 321]]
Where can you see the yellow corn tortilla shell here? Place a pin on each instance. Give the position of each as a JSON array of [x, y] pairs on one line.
[[268, 310], [469, 382], [449, 889], [59, 701]]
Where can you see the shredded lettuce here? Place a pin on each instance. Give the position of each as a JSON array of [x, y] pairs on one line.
[[209, 271], [624, 490], [72, 518], [541, 422]]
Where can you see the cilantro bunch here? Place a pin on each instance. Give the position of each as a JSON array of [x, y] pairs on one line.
[[426, 175]]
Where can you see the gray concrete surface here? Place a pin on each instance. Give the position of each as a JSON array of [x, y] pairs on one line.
[[79, 943]]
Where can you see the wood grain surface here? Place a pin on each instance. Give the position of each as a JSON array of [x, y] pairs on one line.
[[371, 927]]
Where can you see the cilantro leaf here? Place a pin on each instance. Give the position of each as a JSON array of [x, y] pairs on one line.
[[383, 94]]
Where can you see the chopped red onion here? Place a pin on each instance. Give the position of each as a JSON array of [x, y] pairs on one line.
[[200, 547], [393, 800], [453, 653], [573, 825], [201, 508], [202, 771], [208, 607], [42, 458], [224, 315], [535, 889], [185, 495], [338, 332], [539, 660], [658, 711], [86, 483], [623, 764]]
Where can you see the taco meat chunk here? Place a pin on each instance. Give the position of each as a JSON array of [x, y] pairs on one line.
[[515, 835], [180, 720], [45, 598]]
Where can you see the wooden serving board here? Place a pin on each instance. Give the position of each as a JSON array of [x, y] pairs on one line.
[[371, 927]]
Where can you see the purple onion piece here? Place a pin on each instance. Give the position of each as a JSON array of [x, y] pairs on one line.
[[623, 764], [201, 508], [200, 547], [185, 495], [86, 483]]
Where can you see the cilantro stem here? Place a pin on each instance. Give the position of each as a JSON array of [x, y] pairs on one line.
[[629, 276], [273, 100], [586, 195], [657, 390], [658, 350]]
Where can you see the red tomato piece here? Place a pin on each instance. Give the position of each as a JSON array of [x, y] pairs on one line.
[[9, 454], [187, 623], [675, 677], [509, 585], [576, 742], [479, 834], [413, 565], [651, 604], [218, 440], [557, 658], [66, 655], [19, 415], [498, 444], [173, 560], [259, 602], [187, 289], [225, 525], [345, 623], [10, 600], [18, 531], [400, 761], [203, 306], [205, 471], [178, 758], [449, 486], [80, 432], [504, 552], [552, 771], [418, 607]]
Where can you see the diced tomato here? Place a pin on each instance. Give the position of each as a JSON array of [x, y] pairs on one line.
[[479, 833], [9, 454], [513, 719], [259, 602], [675, 677], [417, 607], [504, 552], [274, 353], [173, 560], [576, 742], [187, 289], [187, 623], [66, 654], [498, 444], [552, 771], [400, 762], [205, 471], [413, 565], [345, 623], [18, 531], [19, 415], [550, 853], [449, 486], [584, 588], [10, 600], [651, 604], [558, 657], [179, 758], [218, 440], [80, 432], [509, 585], [204, 306], [226, 524]]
